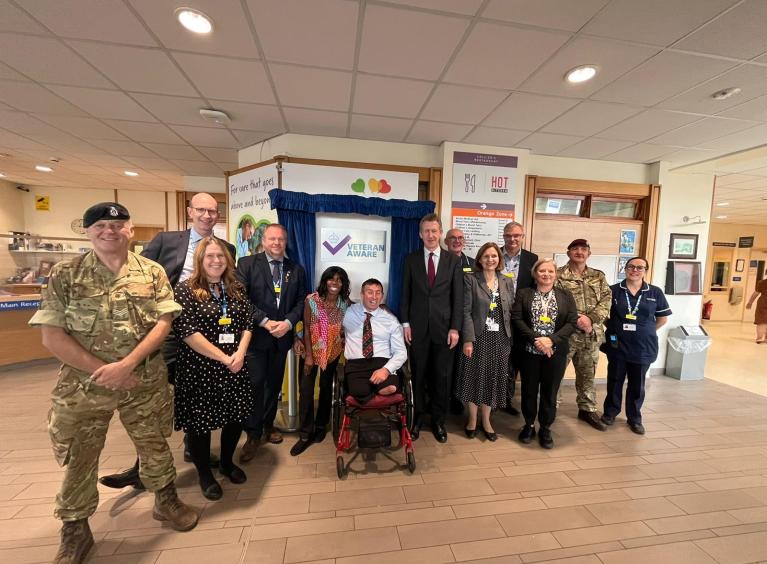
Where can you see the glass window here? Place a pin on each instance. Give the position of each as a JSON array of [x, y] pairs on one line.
[[558, 205], [720, 275], [610, 208]]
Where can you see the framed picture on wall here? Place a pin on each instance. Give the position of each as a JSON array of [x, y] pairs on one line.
[[740, 265], [683, 246], [622, 262], [628, 244], [683, 277]]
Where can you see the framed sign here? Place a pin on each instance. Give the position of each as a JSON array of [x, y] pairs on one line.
[[683, 246], [740, 265], [628, 242]]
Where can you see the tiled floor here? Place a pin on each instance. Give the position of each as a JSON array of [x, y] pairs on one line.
[[694, 489]]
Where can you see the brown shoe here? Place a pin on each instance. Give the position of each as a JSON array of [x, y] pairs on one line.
[[592, 418], [274, 436], [168, 507], [76, 542], [249, 450]]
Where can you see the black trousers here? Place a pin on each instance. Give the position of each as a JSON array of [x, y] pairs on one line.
[[357, 375], [199, 448], [511, 379], [266, 369], [432, 366], [541, 377], [310, 422], [618, 370]]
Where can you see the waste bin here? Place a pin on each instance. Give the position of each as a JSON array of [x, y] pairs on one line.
[[687, 349]]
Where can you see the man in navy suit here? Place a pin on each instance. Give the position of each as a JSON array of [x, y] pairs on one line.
[[276, 287], [431, 311], [174, 251]]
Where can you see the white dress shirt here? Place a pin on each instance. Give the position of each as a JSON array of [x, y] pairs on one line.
[[194, 239], [388, 341]]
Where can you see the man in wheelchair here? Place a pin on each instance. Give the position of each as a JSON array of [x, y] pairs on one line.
[[375, 347]]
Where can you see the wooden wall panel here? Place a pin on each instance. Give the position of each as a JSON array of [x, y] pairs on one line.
[[553, 235]]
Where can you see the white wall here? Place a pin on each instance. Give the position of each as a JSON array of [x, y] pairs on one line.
[[11, 219], [585, 169], [67, 204], [146, 208]]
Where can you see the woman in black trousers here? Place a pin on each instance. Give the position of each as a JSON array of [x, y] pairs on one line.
[[544, 317]]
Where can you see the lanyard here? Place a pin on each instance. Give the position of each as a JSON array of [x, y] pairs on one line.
[[546, 303], [494, 292], [223, 301], [632, 312]]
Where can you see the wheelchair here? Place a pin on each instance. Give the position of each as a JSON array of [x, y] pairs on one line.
[[369, 427]]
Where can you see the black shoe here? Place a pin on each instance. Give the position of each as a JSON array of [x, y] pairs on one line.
[[492, 437], [300, 446], [212, 491], [235, 474], [214, 461], [415, 432], [592, 418], [607, 419], [544, 438], [511, 410], [637, 428], [527, 434], [470, 433], [439, 432], [124, 479], [319, 435]]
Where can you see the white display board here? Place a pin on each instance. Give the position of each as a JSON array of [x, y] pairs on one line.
[[606, 263], [359, 244], [250, 208], [317, 179]]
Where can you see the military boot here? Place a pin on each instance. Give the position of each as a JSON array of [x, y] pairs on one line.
[[168, 507], [76, 541]]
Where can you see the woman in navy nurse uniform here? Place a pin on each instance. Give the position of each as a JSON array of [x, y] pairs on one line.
[[638, 310]]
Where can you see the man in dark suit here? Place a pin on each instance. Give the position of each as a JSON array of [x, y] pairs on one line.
[[174, 251], [276, 287], [455, 241], [431, 311], [517, 265]]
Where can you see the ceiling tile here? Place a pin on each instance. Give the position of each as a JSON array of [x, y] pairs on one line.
[[153, 164], [696, 133], [434, 133], [124, 148], [661, 77], [15, 141], [484, 58], [465, 7], [594, 148], [588, 118], [82, 126], [254, 117], [173, 109], [612, 57], [660, 22], [330, 44], [183, 152], [647, 125], [48, 60], [312, 88], [33, 98], [755, 109], [136, 68], [548, 143], [397, 97], [14, 19], [379, 128], [215, 76], [103, 103], [461, 104], [219, 155], [528, 111], [231, 34], [687, 156], [720, 38], [315, 122], [639, 153], [149, 132], [556, 14], [745, 139], [495, 136], [7, 73], [248, 138], [433, 37], [108, 20], [207, 136], [195, 168]]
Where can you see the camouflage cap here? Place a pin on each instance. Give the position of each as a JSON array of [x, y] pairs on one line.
[[104, 210]]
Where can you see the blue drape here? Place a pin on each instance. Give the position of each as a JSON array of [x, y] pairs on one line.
[[296, 211]]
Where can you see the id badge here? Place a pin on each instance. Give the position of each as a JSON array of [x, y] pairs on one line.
[[225, 338], [277, 289], [509, 275], [492, 325], [629, 327], [545, 319], [468, 269], [631, 317], [493, 305], [225, 321]]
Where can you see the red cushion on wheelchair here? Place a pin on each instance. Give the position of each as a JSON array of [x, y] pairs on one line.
[[377, 402]]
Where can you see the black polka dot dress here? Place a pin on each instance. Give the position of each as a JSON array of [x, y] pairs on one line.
[[207, 394]]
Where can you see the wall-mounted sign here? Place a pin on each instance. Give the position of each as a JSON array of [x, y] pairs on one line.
[[42, 203], [722, 244], [746, 242]]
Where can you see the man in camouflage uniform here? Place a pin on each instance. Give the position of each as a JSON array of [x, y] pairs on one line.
[[593, 297], [105, 315]]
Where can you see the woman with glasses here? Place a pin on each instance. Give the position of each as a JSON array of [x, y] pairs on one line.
[[638, 310]]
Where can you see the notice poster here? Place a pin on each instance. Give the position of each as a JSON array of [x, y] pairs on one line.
[[484, 189], [249, 207]]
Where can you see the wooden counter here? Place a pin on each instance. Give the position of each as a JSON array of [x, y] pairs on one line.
[[20, 342]]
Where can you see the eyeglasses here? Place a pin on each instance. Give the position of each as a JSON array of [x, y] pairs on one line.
[[204, 211], [455, 238], [513, 236], [635, 267]]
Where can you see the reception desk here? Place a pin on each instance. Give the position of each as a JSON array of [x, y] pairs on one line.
[[20, 342]]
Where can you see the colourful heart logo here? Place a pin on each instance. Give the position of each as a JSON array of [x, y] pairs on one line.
[[358, 185], [373, 185], [385, 187]]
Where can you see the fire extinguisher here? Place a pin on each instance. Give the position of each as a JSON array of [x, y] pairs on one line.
[[708, 307]]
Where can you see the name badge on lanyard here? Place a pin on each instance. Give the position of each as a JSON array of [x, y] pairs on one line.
[[629, 327], [225, 338]]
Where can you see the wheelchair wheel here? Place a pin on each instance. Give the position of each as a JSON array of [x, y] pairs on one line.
[[407, 390], [411, 462], [337, 409], [341, 469]]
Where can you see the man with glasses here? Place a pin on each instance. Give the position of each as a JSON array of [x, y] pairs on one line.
[[174, 251], [517, 265], [593, 296], [456, 241]]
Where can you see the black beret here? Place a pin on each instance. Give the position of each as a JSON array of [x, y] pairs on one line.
[[579, 243], [104, 210]]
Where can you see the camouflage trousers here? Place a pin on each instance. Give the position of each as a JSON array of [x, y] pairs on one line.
[[78, 423], [584, 354]]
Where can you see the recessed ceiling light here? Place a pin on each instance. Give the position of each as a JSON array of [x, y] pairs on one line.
[[581, 74], [722, 204], [43, 168], [194, 20], [721, 217], [726, 93], [130, 173]]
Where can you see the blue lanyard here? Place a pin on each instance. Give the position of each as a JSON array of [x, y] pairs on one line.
[[633, 311], [222, 298]]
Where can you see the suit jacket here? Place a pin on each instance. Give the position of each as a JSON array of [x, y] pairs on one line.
[[526, 262], [432, 312], [256, 275], [168, 248], [564, 326], [476, 304]]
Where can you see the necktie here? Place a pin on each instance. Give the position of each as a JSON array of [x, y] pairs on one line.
[[431, 272], [276, 272], [367, 337]]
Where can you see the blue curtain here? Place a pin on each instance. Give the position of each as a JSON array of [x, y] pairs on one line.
[[296, 211]]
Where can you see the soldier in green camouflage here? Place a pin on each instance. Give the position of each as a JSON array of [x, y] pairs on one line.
[[593, 296], [105, 315]]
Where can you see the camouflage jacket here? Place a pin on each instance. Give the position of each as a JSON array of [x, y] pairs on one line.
[[592, 296], [106, 314]]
